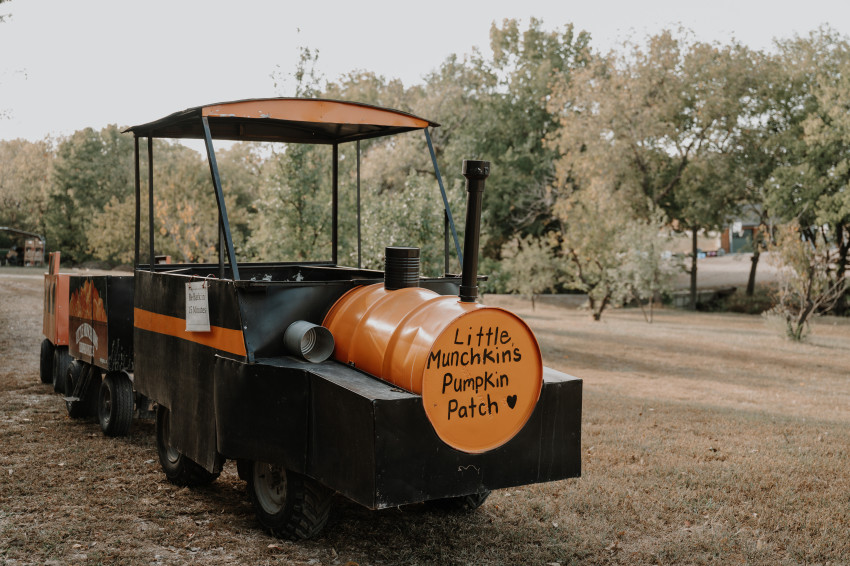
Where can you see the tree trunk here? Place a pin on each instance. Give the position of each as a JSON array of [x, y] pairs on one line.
[[694, 268], [842, 240], [597, 315], [808, 307], [751, 282]]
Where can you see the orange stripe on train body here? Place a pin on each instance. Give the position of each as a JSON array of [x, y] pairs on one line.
[[224, 339]]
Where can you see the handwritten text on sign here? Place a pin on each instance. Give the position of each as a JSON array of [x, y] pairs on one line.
[[482, 379], [197, 307]]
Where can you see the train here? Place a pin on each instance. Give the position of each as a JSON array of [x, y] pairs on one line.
[[383, 386]]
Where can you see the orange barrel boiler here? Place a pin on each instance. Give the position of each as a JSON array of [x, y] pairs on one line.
[[477, 368]]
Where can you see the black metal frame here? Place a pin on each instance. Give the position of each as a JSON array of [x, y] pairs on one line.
[[224, 224], [225, 237]]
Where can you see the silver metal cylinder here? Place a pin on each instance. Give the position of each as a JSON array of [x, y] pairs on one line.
[[309, 341]]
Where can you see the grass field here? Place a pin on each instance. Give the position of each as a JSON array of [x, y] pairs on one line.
[[706, 438]]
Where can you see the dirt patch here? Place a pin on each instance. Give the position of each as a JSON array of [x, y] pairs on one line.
[[707, 438]]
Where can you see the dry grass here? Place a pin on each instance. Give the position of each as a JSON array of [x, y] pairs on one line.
[[707, 438]]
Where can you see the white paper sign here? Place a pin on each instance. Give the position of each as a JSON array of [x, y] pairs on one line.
[[197, 307]]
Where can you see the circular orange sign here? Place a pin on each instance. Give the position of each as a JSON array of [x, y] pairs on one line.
[[482, 379]]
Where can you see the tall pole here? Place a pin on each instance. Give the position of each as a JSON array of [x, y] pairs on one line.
[[475, 172], [138, 187], [335, 204]]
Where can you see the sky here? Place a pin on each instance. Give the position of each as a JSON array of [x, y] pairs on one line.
[[66, 65]]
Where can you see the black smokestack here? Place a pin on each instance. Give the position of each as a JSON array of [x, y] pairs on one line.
[[475, 172]]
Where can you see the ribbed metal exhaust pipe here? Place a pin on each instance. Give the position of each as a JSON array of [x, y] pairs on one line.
[[475, 172], [401, 268], [309, 341]]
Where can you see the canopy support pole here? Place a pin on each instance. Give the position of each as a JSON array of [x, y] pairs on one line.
[[359, 240], [224, 224], [138, 187], [150, 202], [335, 204], [445, 199]]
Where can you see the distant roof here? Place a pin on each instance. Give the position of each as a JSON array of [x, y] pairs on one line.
[[294, 120]]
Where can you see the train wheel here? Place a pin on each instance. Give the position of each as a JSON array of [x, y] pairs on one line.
[[45, 368], [115, 404], [289, 505], [178, 468], [461, 503], [61, 359]]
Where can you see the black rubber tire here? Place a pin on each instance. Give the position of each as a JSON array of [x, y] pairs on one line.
[[45, 367], [61, 360], [462, 503], [179, 469], [115, 404], [79, 372], [288, 504]]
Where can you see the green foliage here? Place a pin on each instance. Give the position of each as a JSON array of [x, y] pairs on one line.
[[637, 122], [811, 181], [185, 213], [526, 64], [531, 266], [647, 269], [306, 79], [90, 169], [110, 237], [412, 217], [24, 183], [505, 119], [595, 151], [659, 124], [294, 206], [806, 284], [609, 253]]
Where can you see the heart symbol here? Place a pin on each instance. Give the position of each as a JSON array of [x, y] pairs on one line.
[[511, 401]]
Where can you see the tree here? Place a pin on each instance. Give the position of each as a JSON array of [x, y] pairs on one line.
[[400, 199], [811, 182], [90, 168], [592, 246], [608, 252], [24, 182], [805, 283], [658, 126], [185, 211], [495, 108], [646, 269], [531, 265], [525, 65], [294, 206], [243, 176]]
